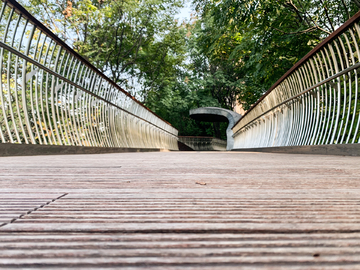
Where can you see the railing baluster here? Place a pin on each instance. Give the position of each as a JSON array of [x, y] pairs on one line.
[[50, 95], [318, 99]]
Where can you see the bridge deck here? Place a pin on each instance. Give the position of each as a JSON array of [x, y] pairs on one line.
[[177, 210]]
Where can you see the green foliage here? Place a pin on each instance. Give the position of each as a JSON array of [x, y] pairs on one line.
[[221, 76], [138, 44], [231, 53], [174, 101], [238, 49], [269, 37]]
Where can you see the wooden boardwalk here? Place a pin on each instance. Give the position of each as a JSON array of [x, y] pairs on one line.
[[180, 210]]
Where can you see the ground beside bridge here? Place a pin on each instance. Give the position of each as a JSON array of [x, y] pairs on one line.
[[180, 210]]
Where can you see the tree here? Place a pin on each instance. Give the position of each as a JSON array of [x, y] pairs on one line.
[[136, 43], [196, 85], [274, 34], [211, 53]]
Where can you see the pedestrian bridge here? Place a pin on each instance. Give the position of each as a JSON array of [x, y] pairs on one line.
[[51, 96], [173, 210]]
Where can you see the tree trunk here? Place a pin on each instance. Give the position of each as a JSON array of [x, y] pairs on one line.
[[216, 127]]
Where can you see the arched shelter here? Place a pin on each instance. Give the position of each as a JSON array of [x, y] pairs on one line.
[[215, 114]]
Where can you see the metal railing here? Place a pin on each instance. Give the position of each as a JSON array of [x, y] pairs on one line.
[[315, 103], [51, 95]]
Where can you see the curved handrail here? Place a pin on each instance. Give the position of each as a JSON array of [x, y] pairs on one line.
[[49, 94], [43, 28], [315, 102]]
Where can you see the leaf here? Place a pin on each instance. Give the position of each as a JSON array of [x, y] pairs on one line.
[[200, 183]]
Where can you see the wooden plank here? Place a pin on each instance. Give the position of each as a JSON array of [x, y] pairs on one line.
[[145, 210]]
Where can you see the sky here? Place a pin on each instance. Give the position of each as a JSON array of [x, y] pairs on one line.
[[185, 11]]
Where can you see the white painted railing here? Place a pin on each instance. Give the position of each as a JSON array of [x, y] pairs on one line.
[[51, 95], [314, 103]]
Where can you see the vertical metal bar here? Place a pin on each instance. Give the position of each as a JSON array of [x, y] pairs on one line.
[[83, 105], [299, 114], [80, 104], [289, 110], [332, 100], [48, 90], [117, 127], [112, 121], [3, 103], [52, 96], [94, 113], [24, 98], [1, 82], [314, 103], [267, 133], [301, 126], [64, 101], [308, 104], [99, 111], [74, 104], [103, 115], [122, 128], [327, 113], [339, 88], [356, 88], [37, 98], [90, 111], [72, 95], [34, 111], [289, 106], [86, 104], [107, 118], [351, 54], [104, 110], [69, 110], [84, 115], [318, 77], [45, 80], [55, 90], [275, 129], [321, 100], [117, 124], [8, 77], [16, 86], [297, 108]]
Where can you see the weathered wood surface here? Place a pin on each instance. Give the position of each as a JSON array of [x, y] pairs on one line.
[[180, 210]]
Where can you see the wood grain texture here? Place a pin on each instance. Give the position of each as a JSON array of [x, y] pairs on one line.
[[145, 211]]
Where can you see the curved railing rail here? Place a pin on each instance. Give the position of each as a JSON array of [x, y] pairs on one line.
[[51, 95], [315, 103]]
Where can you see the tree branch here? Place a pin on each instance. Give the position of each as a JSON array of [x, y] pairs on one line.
[[292, 6], [327, 16], [357, 3], [346, 9], [298, 32]]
